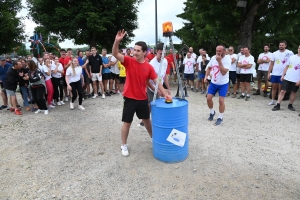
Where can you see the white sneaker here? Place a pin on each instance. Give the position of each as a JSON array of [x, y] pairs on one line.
[[66, 99], [103, 96], [46, 112], [271, 103], [119, 92], [82, 99], [80, 107], [71, 105], [51, 106], [58, 103], [95, 96], [62, 103], [38, 111], [124, 150]]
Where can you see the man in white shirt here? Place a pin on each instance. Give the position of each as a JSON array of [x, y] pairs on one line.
[[278, 63], [291, 80], [238, 69], [203, 52], [218, 66], [232, 71], [191, 51], [245, 63], [264, 60], [189, 64]]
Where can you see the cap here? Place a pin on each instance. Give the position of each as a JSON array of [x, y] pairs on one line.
[[2, 58]]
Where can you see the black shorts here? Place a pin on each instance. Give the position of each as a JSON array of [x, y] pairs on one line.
[[238, 76], [131, 106], [232, 77], [164, 85], [87, 80], [106, 76], [122, 80], [289, 86], [245, 78], [114, 76]]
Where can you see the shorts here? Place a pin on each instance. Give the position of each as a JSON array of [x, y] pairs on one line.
[[2, 87], [222, 89], [200, 76], [261, 74], [131, 106], [289, 86], [189, 76], [10, 93], [276, 79], [87, 80], [96, 77], [114, 76], [245, 78], [106, 76], [150, 95], [232, 77], [238, 76], [122, 80]]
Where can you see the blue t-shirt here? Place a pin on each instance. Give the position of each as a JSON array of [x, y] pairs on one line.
[[81, 62], [105, 61], [3, 71]]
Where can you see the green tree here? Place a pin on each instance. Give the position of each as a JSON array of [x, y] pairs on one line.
[[87, 22], [11, 31], [21, 50], [262, 21]]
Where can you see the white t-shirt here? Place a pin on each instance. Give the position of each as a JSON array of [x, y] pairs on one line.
[[114, 69], [264, 56], [293, 72], [237, 68], [199, 60], [155, 64], [189, 65], [58, 74], [246, 60], [74, 77], [193, 55], [280, 59], [45, 69], [216, 75], [233, 65]]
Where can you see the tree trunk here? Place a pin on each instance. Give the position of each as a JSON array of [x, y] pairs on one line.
[[246, 25]]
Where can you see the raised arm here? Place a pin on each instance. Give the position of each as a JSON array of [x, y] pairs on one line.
[[115, 49]]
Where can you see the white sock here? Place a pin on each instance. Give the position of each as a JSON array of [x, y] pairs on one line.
[[221, 116], [212, 111], [243, 94], [192, 86], [248, 95]]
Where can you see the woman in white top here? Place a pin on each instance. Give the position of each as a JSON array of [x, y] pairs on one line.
[[57, 72], [46, 69], [75, 81]]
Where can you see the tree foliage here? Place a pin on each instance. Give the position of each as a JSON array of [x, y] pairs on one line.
[[208, 22], [11, 31], [87, 22]]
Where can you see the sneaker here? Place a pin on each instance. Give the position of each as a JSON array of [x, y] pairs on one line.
[[66, 99], [257, 92], [27, 108], [18, 112], [290, 106], [218, 122], [95, 96], [265, 94], [211, 116], [80, 107], [11, 109], [124, 150], [99, 94], [46, 112], [89, 96], [202, 92], [103, 96], [196, 90], [142, 126], [53, 103], [71, 105], [241, 97], [18, 106], [247, 98], [192, 89], [111, 92], [82, 99], [271, 103], [3, 107], [62, 103], [51, 106], [276, 107], [233, 96], [33, 109], [107, 94], [38, 111], [58, 103], [228, 94]]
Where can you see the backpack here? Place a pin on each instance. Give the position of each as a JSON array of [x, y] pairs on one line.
[[35, 76]]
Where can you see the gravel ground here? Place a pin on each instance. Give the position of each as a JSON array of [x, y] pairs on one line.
[[73, 154]]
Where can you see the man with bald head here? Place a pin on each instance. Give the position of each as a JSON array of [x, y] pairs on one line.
[[218, 66]]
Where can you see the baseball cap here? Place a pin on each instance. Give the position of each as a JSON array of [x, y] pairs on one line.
[[2, 58]]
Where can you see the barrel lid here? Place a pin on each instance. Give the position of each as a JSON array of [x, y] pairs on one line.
[[162, 104]]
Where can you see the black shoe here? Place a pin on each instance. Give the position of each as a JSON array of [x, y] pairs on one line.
[[3, 107], [107, 94], [89, 96], [99, 94], [18, 106], [290, 106], [92, 94], [257, 92], [111, 92], [192, 89], [265, 94], [277, 107], [241, 97]]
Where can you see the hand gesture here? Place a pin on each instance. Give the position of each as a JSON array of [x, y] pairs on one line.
[[218, 57], [269, 77], [120, 35], [205, 80], [69, 88]]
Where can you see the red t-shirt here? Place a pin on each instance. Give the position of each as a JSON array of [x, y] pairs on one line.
[[66, 61], [150, 56], [169, 65], [137, 75], [61, 61]]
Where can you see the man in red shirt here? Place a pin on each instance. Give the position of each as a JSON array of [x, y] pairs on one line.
[[150, 55], [172, 65], [67, 63], [138, 75]]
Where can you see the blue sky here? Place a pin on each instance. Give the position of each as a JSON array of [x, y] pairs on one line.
[[166, 11]]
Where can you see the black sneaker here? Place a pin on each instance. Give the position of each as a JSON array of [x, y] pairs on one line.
[[111, 92], [241, 97], [99, 94], [277, 107], [89, 96], [107, 94], [3, 107], [290, 106], [257, 92], [192, 89]]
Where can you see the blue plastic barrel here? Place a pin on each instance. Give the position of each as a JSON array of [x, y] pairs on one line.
[[165, 118]]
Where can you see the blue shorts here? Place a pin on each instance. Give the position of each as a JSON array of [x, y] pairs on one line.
[[276, 79], [200, 76], [189, 76], [222, 89]]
